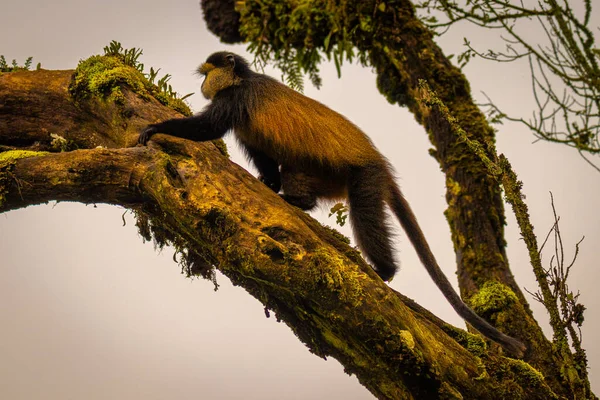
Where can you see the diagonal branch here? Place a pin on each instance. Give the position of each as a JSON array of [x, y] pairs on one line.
[[313, 281]]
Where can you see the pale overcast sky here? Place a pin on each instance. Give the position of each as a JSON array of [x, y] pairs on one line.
[[90, 312]]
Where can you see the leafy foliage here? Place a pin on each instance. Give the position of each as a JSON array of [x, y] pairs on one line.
[[127, 56], [292, 37], [341, 213], [130, 57], [14, 66]]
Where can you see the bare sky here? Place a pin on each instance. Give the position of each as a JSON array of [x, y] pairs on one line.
[[89, 311]]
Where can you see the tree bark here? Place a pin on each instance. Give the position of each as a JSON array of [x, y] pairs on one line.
[[312, 280]]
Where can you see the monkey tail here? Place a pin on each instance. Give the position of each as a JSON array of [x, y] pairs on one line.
[[407, 219]]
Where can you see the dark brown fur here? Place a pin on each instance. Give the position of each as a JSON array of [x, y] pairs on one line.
[[311, 152]]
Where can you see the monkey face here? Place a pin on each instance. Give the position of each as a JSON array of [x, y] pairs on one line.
[[219, 74], [216, 80]]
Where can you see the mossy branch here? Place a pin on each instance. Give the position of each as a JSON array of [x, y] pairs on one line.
[[571, 310], [331, 299], [500, 168]]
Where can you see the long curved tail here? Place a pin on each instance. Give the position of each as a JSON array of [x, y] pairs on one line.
[[407, 219]]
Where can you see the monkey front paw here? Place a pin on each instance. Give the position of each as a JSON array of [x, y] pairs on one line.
[[146, 133], [272, 184]]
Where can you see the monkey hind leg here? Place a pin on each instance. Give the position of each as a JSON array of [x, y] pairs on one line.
[[298, 188], [367, 194], [268, 169]]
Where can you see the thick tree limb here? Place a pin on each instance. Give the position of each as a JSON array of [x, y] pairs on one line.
[[314, 282]]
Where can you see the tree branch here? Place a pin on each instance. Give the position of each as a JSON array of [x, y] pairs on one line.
[[314, 282]]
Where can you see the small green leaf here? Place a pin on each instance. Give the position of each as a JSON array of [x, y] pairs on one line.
[[337, 64], [326, 41]]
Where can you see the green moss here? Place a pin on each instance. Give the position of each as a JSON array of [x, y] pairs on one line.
[[518, 379], [7, 160], [176, 104], [104, 77], [218, 225], [13, 155], [493, 297], [297, 32], [528, 375], [193, 258], [337, 234], [222, 147], [475, 344], [329, 269], [453, 186]]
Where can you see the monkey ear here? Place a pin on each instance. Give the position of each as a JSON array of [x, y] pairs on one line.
[[231, 59]]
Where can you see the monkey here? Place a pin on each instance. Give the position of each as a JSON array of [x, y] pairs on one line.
[[312, 153]]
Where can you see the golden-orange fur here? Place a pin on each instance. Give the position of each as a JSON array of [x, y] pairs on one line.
[[325, 137]]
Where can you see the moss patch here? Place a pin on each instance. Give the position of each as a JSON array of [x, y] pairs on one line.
[[475, 344], [493, 297], [330, 270], [498, 304], [222, 147], [7, 160], [337, 234], [519, 380], [13, 155], [104, 77]]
